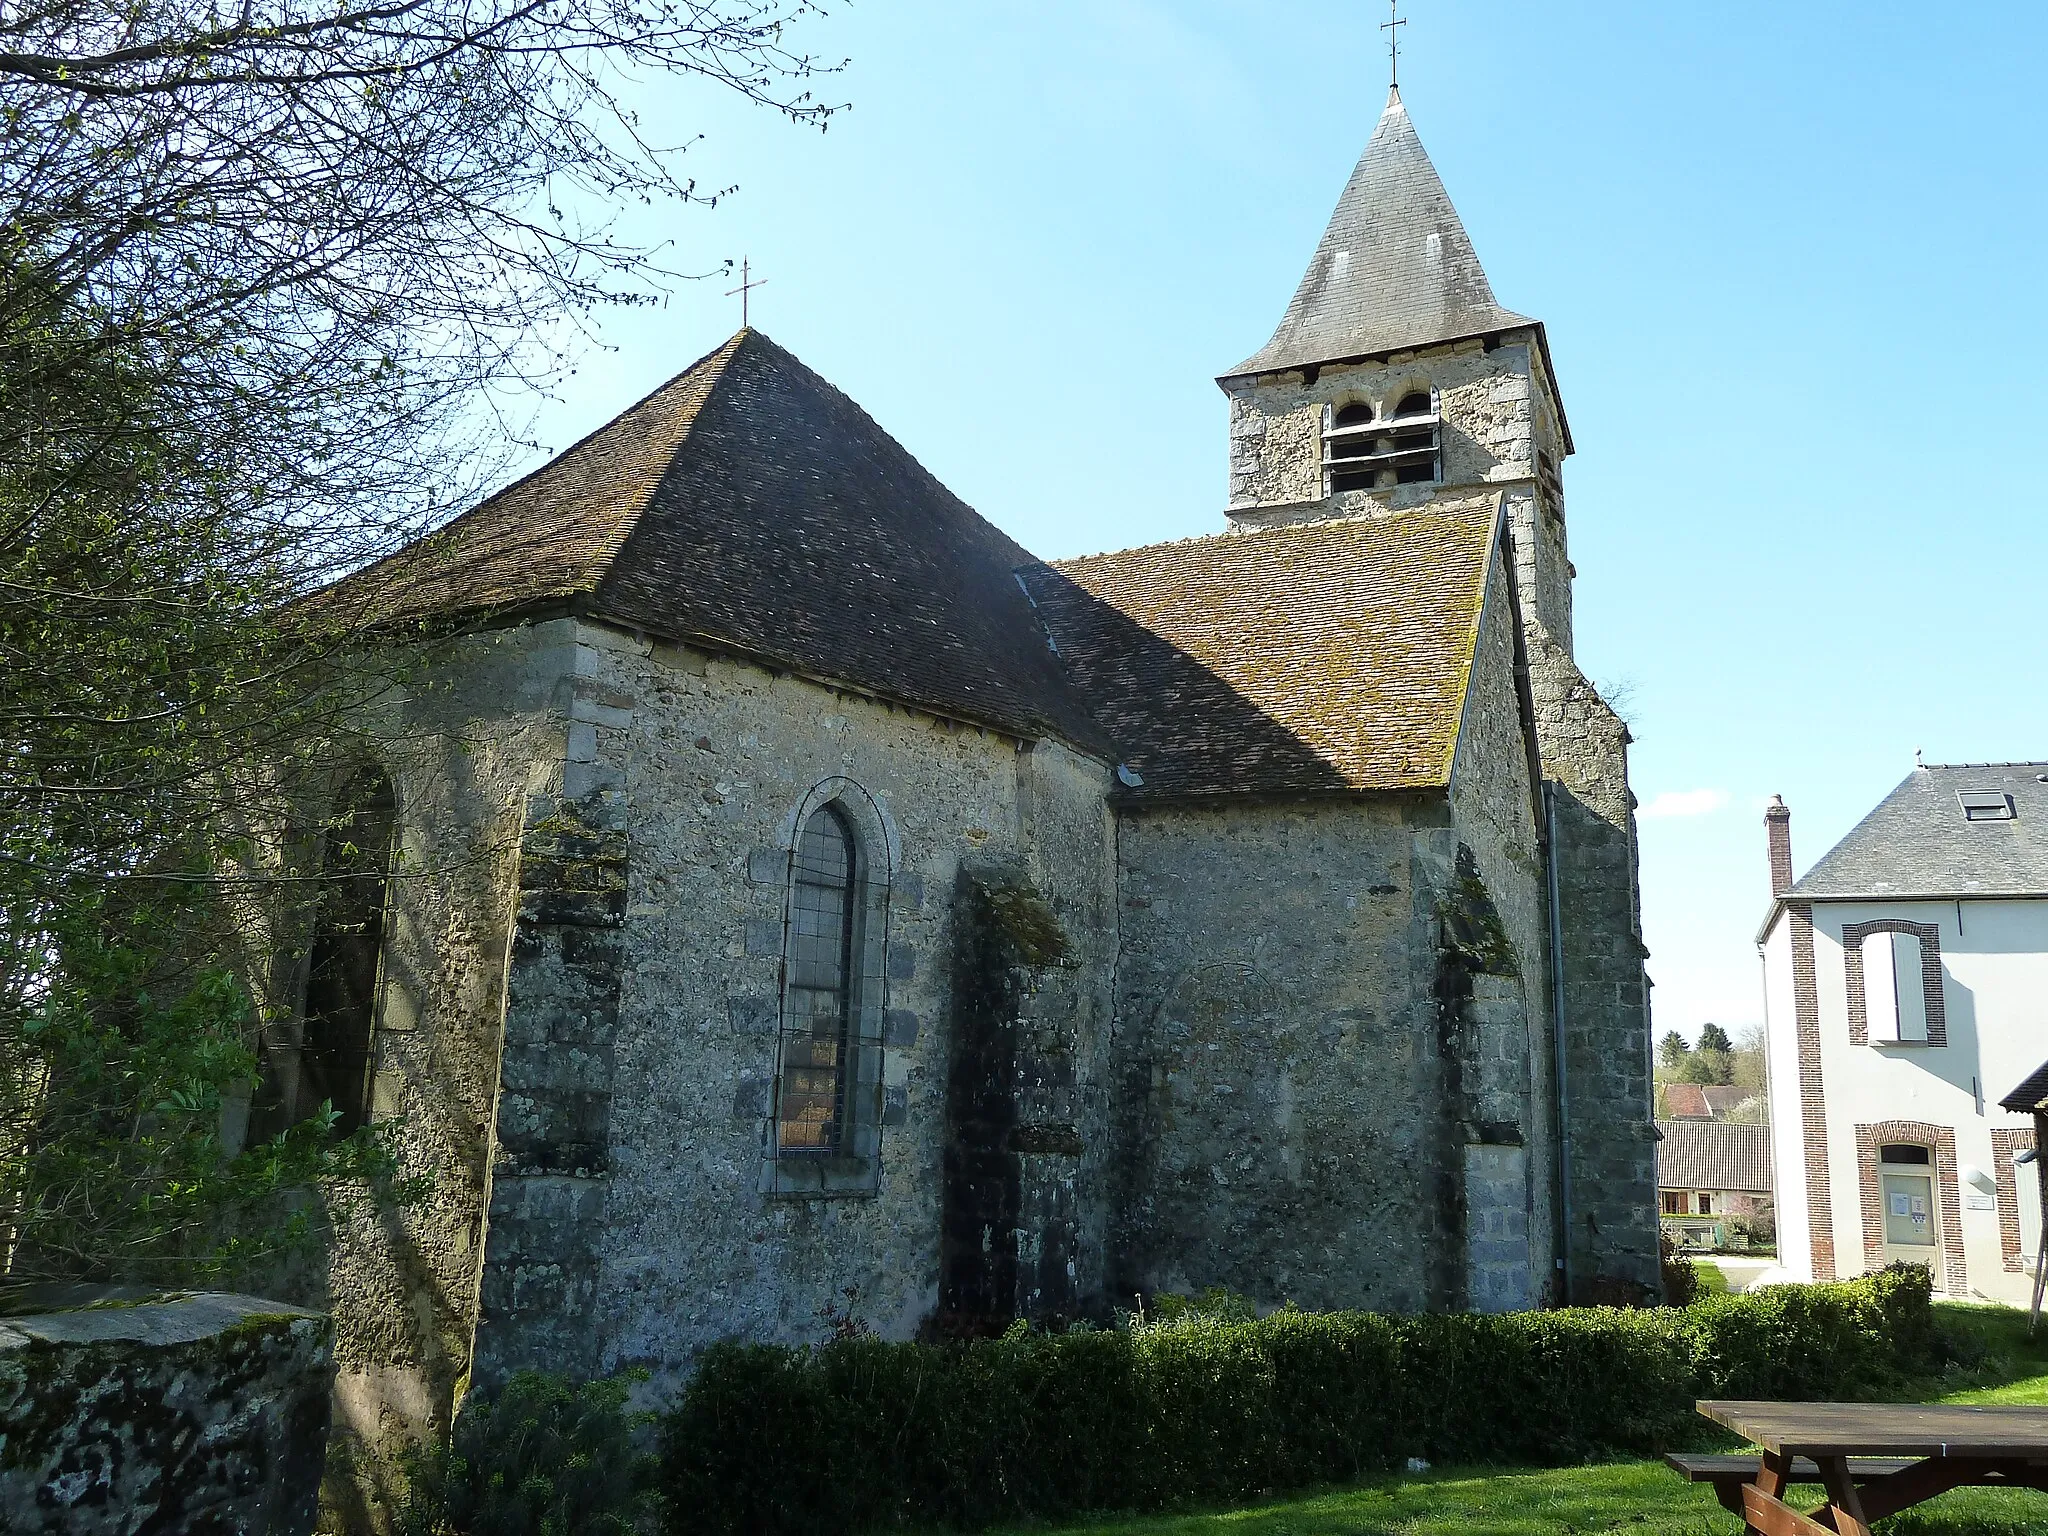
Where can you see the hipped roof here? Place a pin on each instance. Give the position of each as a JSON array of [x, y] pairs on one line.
[[1395, 269], [748, 505]]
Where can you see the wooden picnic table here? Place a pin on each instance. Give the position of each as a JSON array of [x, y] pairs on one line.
[[1910, 1452]]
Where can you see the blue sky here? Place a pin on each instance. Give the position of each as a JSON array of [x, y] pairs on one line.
[[1789, 258]]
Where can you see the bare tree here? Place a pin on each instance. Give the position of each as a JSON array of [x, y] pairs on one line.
[[269, 275]]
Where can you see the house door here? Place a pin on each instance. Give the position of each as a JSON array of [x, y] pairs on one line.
[[1911, 1217]]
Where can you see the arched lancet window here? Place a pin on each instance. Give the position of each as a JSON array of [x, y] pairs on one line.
[[348, 947], [1345, 442], [811, 1111]]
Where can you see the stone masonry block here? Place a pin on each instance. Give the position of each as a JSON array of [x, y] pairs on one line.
[[900, 1028], [752, 1016], [764, 936], [767, 866]]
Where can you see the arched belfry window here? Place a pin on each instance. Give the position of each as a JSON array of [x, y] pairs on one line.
[[347, 952], [1364, 451], [813, 1097], [1347, 442]]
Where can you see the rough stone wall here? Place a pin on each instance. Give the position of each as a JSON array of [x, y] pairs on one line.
[[475, 727], [1010, 1242], [1502, 429], [713, 762], [552, 1146], [202, 1413], [1293, 1039], [1612, 1148], [1511, 1181]]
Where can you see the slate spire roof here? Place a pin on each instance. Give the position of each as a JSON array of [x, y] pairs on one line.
[[1395, 268]]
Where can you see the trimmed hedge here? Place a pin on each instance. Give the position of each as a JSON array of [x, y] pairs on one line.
[[858, 1434]]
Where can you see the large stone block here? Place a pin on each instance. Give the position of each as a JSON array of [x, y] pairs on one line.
[[204, 1412]]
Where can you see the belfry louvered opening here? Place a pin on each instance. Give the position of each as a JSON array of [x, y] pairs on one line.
[[1366, 451]]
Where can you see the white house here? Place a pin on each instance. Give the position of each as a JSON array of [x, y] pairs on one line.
[[1906, 993]]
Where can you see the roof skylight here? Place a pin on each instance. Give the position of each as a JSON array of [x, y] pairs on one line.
[[1985, 804]]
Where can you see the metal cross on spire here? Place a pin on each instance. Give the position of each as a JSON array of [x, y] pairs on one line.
[[1394, 38], [747, 285]]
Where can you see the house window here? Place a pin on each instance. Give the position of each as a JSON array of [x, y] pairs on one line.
[[1362, 452], [812, 1100], [1674, 1202], [347, 953], [1894, 989], [1706, 1203], [1986, 805]]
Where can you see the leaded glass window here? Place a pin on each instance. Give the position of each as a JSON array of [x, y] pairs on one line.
[[818, 999]]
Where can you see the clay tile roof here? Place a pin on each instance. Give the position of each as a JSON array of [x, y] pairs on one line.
[[1395, 268], [1319, 657], [749, 505], [1710, 1154], [1686, 1101]]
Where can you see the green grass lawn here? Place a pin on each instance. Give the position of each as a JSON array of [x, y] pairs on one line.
[[1633, 1496]]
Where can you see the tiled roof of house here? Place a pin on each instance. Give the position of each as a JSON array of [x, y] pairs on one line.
[[1917, 842], [1704, 1101], [1711, 1154], [1395, 268], [2031, 1095], [748, 504], [1686, 1101], [1315, 657]]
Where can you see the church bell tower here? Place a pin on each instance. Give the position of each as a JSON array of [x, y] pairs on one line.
[[1395, 379]]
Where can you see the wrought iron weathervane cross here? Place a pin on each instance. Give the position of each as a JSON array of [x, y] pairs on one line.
[[1391, 28]]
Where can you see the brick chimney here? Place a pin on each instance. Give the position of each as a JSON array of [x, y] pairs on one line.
[[1778, 822]]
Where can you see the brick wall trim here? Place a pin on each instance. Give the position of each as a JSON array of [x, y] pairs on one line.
[[1929, 935], [1813, 1109], [1942, 1140], [2005, 1142]]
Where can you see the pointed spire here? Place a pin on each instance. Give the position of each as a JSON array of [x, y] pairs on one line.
[[1395, 268]]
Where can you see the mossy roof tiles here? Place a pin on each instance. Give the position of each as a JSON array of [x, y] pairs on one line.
[[1320, 657], [749, 505]]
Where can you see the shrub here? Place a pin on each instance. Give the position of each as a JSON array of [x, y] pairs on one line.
[[1206, 1406], [541, 1457]]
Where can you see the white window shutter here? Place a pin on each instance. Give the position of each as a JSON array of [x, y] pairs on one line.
[[1881, 987], [1912, 999]]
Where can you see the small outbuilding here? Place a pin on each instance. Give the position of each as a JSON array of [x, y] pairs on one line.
[[1709, 1171]]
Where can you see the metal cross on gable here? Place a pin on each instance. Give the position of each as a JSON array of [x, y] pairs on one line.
[[1394, 37], [748, 283]]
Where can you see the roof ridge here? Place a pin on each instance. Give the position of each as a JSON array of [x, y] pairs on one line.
[[2014, 763], [1394, 515]]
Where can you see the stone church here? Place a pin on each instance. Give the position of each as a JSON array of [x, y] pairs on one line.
[[775, 897]]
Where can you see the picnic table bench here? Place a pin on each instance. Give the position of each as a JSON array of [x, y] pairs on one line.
[[1874, 1459]]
